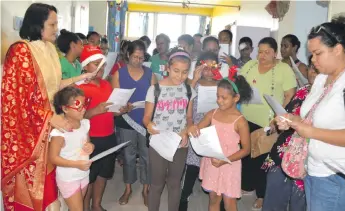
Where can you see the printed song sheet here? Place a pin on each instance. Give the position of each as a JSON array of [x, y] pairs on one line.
[[276, 107], [119, 98], [166, 144], [108, 152], [208, 145], [207, 98]]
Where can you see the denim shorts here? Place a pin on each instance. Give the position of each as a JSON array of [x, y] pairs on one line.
[[325, 193]]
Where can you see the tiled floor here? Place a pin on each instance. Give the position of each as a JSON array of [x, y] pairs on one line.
[[198, 202]]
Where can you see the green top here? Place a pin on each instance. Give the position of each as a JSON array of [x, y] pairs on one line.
[[69, 70], [155, 62], [283, 78]]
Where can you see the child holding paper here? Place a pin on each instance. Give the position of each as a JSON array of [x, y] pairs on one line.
[[102, 132], [173, 112], [203, 76], [70, 151], [222, 179]]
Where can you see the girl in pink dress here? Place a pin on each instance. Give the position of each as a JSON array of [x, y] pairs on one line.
[[219, 178]]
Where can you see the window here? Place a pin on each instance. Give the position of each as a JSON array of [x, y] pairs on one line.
[[192, 24], [140, 23], [152, 24]]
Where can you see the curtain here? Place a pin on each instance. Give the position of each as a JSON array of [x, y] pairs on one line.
[[145, 23], [202, 26], [116, 23]]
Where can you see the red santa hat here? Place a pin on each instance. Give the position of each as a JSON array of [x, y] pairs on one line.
[[89, 54]]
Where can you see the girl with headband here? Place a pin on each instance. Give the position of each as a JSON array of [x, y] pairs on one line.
[[221, 179], [170, 109]]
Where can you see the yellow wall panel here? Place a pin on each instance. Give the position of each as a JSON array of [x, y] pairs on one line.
[[203, 11]]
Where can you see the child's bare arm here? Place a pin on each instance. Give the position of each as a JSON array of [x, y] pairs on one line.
[[242, 128], [206, 121], [194, 130], [55, 146]]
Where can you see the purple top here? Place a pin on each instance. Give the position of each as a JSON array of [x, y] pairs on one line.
[[141, 85]]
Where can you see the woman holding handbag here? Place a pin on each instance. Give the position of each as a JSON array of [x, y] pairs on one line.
[[273, 78], [292, 191], [319, 141]]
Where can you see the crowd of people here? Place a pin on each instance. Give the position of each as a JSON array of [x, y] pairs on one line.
[[55, 118]]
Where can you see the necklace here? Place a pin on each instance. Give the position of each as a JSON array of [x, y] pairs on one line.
[[271, 115]]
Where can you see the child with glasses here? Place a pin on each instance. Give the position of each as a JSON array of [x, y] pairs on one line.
[[70, 150]]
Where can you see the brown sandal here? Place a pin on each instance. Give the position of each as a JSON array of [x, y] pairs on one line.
[[125, 198]]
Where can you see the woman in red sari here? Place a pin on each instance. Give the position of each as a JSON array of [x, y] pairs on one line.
[[31, 76]]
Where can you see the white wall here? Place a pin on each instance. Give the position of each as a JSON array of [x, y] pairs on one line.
[[253, 13], [10, 9], [80, 19], [336, 7], [301, 17], [98, 16]]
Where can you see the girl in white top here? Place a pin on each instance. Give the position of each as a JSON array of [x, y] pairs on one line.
[[325, 182], [70, 150]]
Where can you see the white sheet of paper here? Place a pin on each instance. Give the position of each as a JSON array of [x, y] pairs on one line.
[[147, 64], [224, 49], [208, 145], [119, 98], [80, 82], [207, 99], [191, 70], [273, 103], [138, 104], [165, 143], [256, 99], [111, 59], [224, 70], [300, 77], [108, 152]]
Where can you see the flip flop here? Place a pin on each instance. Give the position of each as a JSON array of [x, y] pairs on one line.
[[123, 199]]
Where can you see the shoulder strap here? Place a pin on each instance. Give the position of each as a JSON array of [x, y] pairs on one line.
[[156, 93]]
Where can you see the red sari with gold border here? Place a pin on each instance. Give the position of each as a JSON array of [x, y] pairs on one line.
[[27, 182]]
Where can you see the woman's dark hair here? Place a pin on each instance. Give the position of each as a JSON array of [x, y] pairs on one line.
[[244, 89], [81, 36], [155, 51], [293, 40], [124, 44], [64, 40], [33, 22], [62, 97], [209, 39], [330, 33], [207, 56], [181, 58], [246, 40], [187, 38], [227, 32], [146, 39], [91, 33], [136, 45], [271, 42], [104, 40], [164, 37]]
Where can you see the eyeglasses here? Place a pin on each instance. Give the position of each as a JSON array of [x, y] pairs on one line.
[[331, 35], [78, 106]]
